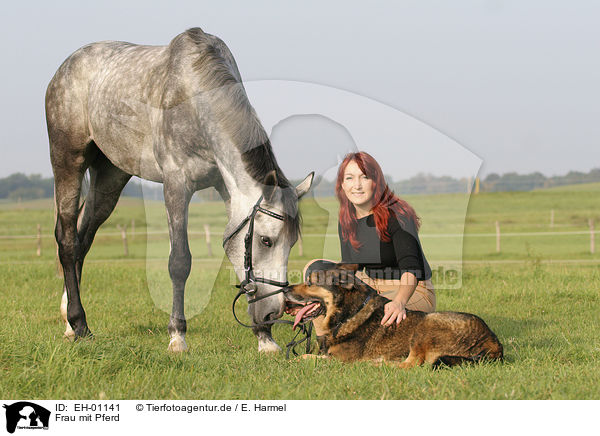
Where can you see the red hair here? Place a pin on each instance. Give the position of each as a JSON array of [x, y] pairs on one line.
[[384, 200]]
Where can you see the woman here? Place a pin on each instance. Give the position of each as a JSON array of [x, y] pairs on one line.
[[379, 231]]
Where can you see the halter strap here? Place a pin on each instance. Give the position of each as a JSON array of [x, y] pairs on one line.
[[256, 208], [250, 278], [248, 239]]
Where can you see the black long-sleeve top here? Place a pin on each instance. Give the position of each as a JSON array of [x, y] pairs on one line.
[[387, 260]]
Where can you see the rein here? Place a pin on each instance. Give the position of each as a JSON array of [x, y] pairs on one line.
[[248, 285]]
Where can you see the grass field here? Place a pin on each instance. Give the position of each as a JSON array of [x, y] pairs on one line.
[[540, 294]]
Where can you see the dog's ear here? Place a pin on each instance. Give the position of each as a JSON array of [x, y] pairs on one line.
[[347, 266], [341, 277], [315, 278]]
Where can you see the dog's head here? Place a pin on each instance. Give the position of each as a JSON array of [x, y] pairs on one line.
[[331, 293]]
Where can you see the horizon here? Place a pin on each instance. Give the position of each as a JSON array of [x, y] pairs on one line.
[[395, 180]]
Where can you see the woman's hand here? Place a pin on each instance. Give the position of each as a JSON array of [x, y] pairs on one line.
[[393, 311]]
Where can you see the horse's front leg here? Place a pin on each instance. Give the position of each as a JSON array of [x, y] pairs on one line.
[[177, 199]]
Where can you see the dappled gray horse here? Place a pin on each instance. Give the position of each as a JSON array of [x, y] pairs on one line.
[[178, 115]]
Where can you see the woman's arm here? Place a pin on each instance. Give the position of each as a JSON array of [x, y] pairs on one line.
[[395, 310], [409, 258]]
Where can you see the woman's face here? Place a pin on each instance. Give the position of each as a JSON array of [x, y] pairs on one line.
[[357, 187]]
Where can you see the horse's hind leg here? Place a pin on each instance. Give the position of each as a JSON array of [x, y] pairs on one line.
[[106, 184], [69, 164]]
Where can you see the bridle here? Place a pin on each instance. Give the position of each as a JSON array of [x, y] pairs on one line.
[[248, 285], [249, 282]]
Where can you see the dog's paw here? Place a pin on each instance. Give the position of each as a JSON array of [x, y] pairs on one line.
[[378, 362], [312, 356]]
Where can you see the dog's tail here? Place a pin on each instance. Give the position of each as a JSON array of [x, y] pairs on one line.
[[452, 361], [459, 360]]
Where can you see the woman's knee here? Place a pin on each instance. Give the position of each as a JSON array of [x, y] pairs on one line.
[[423, 300]]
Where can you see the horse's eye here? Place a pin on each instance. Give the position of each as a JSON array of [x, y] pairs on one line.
[[266, 241]]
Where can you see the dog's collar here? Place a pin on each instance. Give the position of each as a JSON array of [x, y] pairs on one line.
[[336, 328]]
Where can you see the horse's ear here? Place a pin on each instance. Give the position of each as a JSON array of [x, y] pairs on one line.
[[270, 183], [305, 185]]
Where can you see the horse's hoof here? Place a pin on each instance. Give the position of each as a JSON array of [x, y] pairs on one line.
[[69, 333], [83, 333], [268, 347], [177, 345], [64, 301]]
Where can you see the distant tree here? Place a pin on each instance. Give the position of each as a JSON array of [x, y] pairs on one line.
[[26, 194], [19, 185]]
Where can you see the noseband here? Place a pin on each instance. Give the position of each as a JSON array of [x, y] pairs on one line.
[[248, 285]]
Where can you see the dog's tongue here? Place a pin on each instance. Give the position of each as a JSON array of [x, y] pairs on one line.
[[301, 313]]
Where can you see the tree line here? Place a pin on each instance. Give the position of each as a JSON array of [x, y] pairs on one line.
[[20, 187], [429, 184]]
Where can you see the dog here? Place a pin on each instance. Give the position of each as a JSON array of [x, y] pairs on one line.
[[350, 313]]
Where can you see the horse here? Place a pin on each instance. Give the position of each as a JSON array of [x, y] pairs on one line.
[[178, 115]]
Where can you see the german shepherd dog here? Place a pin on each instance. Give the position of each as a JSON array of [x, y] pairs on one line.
[[350, 313]]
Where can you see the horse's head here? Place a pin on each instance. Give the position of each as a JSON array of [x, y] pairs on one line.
[[274, 230]]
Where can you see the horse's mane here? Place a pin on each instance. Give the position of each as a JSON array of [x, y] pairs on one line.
[[219, 75]]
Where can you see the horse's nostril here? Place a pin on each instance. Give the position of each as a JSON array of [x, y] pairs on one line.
[[270, 316]]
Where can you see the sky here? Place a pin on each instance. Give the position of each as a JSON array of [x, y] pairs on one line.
[[447, 88]]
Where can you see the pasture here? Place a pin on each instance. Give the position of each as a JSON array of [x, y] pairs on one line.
[[540, 294]]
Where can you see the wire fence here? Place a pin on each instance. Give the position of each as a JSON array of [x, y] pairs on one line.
[[207, 234], [320, 235]]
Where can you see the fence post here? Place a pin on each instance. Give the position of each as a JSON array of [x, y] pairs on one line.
[[552, 218], [497, 237], [39, 240], [592, 237], [123, 230], [207, 234]]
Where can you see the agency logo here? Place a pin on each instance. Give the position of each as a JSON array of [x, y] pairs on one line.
[[26, 415]]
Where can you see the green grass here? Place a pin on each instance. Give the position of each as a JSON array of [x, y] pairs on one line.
[[545, 313]]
